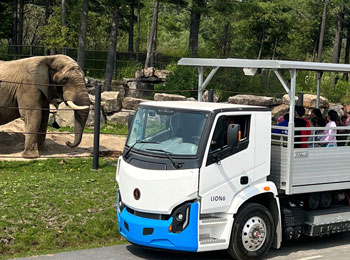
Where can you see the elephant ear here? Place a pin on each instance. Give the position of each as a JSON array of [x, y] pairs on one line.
[[42, 76]]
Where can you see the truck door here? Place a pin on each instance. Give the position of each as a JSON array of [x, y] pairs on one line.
[[226, 171]]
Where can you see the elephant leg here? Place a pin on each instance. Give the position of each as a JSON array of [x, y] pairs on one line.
[[43, 127], [32, 119]]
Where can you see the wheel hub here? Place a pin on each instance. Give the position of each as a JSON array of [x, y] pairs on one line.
[[254, 234]]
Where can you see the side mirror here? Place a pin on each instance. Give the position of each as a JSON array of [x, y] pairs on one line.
[[130, 121], [233, 135]]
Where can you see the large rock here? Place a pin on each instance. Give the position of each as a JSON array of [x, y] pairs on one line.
[[191, 99], [161, 74], [337, 108], [309, 100], [205, 97], [254, 100], [168, 97], [286, 100], [121, 117], [65, 115], [149, 72], [131, 103], [91, 119], [111, 101], [280, 110]]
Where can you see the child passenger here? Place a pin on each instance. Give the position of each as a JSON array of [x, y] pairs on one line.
[[330, 134]]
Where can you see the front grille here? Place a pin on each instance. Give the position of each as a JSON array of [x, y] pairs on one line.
[[148, 215]]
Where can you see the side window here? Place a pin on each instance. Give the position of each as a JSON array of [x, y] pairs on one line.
[[218, 145]]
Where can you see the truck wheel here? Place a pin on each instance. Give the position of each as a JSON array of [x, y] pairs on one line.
[[252, 233]]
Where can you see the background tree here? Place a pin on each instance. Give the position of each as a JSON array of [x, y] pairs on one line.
[[82, 35], [197, 8], [112, 48]]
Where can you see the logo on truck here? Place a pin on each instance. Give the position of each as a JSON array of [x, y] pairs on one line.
[[217, 198], [137, 194]]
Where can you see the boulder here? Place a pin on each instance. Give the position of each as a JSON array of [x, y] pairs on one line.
[[111, 101], [91, 119], [191, 99], [286, 100], [309, 100], [131, 103], [337, 108], [121, 117], [280, 110], [149, 72], [161, 74], [254, 100], [65, 115], [205, 97], [92, 99], [347, 109], [168, 97]]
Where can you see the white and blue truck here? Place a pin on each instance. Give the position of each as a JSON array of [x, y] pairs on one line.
[[198, 176]]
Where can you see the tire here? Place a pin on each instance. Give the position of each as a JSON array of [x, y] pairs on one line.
[[252, 220]]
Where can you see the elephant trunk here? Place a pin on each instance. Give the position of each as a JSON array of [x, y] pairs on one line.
[[80, 117]]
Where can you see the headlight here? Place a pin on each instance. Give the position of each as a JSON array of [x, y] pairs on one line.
[[180, 218], [120, 204]]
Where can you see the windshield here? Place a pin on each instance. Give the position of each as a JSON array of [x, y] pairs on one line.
[[167, 131]]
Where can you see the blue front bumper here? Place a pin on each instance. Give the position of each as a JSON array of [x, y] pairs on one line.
[[133, 229]]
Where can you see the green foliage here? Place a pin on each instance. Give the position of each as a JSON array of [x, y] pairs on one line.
[[55, 205], [182, 80], [6, 22], [54, 34], [109, 128], [128, 69]]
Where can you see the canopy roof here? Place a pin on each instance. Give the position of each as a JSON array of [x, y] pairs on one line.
[[265, 64]]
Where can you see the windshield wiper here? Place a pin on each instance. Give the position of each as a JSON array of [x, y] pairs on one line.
[[138, 142], [175, 164]]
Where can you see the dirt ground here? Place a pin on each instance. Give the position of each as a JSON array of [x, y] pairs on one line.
[[12, 144]]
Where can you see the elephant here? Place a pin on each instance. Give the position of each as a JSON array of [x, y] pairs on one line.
[[29, 85]]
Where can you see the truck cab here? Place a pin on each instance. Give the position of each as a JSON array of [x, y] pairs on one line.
[[182, 179]]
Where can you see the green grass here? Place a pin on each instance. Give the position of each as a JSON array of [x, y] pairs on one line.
[[109, 128], [56, 205]]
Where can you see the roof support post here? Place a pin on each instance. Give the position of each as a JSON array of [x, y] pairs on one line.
[[290, 148], [202, 85], [283, 82], [318, 76]]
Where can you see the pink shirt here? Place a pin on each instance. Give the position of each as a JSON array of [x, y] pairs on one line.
[[330, 137]]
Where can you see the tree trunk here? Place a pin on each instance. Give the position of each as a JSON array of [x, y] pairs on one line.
[[82, 37], [261, 43], [338, 35], [14, 39], [131, 28], [154, 48], [138, 31], [20, 25], [63, 20], [227, 40], [323, 28], [63, 12], [111, 50], [347, 51], [194, 26], [152, 35]]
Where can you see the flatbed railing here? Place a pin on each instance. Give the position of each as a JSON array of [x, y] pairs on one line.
[[313, 139], [309, 165]]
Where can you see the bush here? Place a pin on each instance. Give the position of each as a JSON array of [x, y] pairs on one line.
[[182, 80]]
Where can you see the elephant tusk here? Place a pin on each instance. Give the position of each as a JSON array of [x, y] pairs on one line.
[[76, 107]]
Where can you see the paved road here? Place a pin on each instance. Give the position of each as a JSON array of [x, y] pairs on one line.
[[335, 247]]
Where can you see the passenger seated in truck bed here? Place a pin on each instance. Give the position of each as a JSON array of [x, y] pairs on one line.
[[299, 121], [329, 138]]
